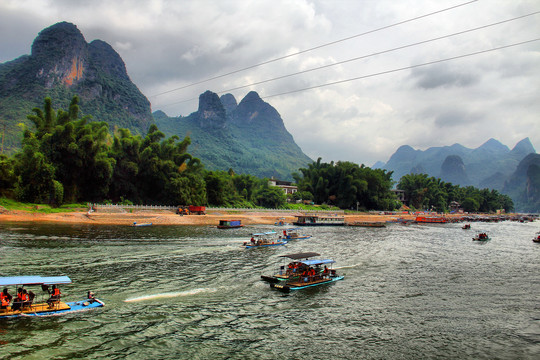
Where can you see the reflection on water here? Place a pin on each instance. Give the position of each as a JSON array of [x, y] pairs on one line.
[[194, 293]]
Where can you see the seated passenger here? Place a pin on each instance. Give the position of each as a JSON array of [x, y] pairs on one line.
[[18, 302], [5, 299], [55, 295]]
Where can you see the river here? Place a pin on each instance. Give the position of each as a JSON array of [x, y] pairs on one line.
[[192, 292]]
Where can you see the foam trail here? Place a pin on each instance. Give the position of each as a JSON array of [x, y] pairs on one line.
[[171, 295]]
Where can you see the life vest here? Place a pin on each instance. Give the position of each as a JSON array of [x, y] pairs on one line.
[[25, 297], [4, 299], [56, 292], [20, 296]]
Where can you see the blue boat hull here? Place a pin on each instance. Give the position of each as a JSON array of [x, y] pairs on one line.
[[265, 245], [74, 306], [288, 288]]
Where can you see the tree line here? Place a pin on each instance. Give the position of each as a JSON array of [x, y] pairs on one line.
[[424, 192], [67, 158]]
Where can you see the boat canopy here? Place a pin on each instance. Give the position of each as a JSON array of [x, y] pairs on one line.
[[265, 233], [317, 262], [34, 280], [300, 255]]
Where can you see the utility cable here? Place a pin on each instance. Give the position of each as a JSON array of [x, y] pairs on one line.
[[383, 72], [401, 69], [313, 48]]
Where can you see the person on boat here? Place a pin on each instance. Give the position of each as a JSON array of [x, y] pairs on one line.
[[252, 240], [5, 299], [325, 271], [55, 295], [19, 300]]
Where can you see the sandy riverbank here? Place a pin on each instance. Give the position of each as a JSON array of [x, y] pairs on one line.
[[170, 218]]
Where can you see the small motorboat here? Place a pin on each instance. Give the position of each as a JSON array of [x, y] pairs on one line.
[[26, 304], [481, 237], [536, 239], [315, 275], [466, 227], [292, 234], [265, 239], [142, 224], [229, 224]]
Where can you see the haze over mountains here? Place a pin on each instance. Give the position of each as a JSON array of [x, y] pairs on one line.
[[492, 165]]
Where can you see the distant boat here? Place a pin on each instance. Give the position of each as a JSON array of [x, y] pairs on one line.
[[142, 224], [292, 234], [316, 220], [265, 239], [367, 223], [466, 227], [431, 219], [481, 237], [230, 224], [537, 239], [53, 306]]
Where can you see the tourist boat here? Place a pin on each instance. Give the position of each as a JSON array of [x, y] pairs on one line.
[[292, 234], [43, 307], [481, 237], [466, 227], [322, 276], [431, 220], [367, 223], [265, 239], [316, 220], [291, 270], [230, 224], [141, 225]]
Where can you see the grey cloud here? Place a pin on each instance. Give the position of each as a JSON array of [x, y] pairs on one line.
[[436, 76]]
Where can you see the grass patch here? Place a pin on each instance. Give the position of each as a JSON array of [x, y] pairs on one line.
[[11, 204]]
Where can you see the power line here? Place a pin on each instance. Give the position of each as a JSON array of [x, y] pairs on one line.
[[377, 53], [313, 48], [401, 69], [362, 57]]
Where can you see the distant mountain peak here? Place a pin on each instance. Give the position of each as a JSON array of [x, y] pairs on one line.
[[211, 112], [524, 148], [493, 145]]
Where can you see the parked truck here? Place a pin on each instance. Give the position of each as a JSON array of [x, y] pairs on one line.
[[191, 210]]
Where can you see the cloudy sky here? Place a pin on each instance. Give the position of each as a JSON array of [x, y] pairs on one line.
[[418, 79]]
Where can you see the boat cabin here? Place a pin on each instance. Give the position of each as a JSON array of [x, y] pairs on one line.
[[229, 224]]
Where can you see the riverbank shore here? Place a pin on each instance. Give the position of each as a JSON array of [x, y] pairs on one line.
[[170, 218]]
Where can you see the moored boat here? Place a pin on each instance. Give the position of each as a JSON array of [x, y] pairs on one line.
[[291, 270], [315, 275], [367, 223], [265, 239], [316, 220], [141, 225], [431, 220], [481, 237], [229, 224], [292, 234], [25, 303]]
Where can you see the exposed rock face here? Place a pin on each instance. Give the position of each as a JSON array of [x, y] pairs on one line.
[[62, 64], [211, 113], [62, 52]]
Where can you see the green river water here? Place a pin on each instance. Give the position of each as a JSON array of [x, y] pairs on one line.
[[192, 292]]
